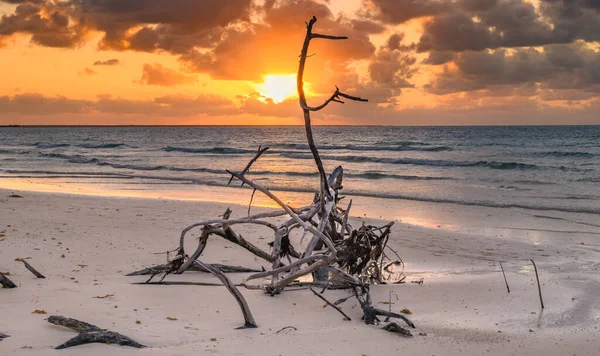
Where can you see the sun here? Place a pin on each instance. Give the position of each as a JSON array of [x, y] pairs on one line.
[[278, 87]]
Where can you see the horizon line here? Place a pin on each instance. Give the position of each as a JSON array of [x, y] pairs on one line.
[[301, 125]]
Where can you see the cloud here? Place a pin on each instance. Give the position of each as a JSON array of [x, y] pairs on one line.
[[248, 52], [556, 67], [172, 106], [37, 104], [168, 25], [87, 72], [367, 26], [400, 11], [48, 27], [393, 68], [157, 74], [436, 58], [481, 48], [108, 62], [509, 24]]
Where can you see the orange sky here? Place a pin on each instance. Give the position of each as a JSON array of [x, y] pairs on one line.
[[173, 62]]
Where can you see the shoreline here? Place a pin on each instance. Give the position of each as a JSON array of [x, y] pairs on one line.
[[490, 221], [462, 307]]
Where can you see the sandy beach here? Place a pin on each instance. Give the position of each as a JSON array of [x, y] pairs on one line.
[[86, 244]]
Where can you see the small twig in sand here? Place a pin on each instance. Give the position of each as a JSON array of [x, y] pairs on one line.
[[286, 327], [346, 317], [538, 283], [505, 281], [419, 282]]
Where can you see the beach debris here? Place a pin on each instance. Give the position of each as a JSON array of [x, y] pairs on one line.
[[395, 328], [30, 268], [104, 296], [346, 317], [195, 267], [3, 336], [89, 333], [406, 311], [336, 255], [505, 281], [419, 282], [13, 195], [538, 283], [285, 328], [171, 318], [39, 311]]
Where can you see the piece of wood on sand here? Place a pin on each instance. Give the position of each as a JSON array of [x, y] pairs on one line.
[[89, 333], [6, 282], [30, 268]]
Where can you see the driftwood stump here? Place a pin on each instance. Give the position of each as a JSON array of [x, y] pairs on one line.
[[89, 333]]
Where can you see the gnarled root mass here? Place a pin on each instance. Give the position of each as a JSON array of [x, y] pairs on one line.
[[89, 333], [336, 254]]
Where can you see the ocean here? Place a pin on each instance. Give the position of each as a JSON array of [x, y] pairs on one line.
[[540, 168]]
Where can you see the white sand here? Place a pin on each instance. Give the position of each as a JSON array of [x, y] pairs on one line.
[[463, 306]]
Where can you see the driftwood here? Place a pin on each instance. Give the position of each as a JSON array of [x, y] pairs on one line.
[[504, 274], [89, 333], [346, 317], [537, 278], [194, 267], [6, 282], [30, 268], [337, 255], [395, 328]]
